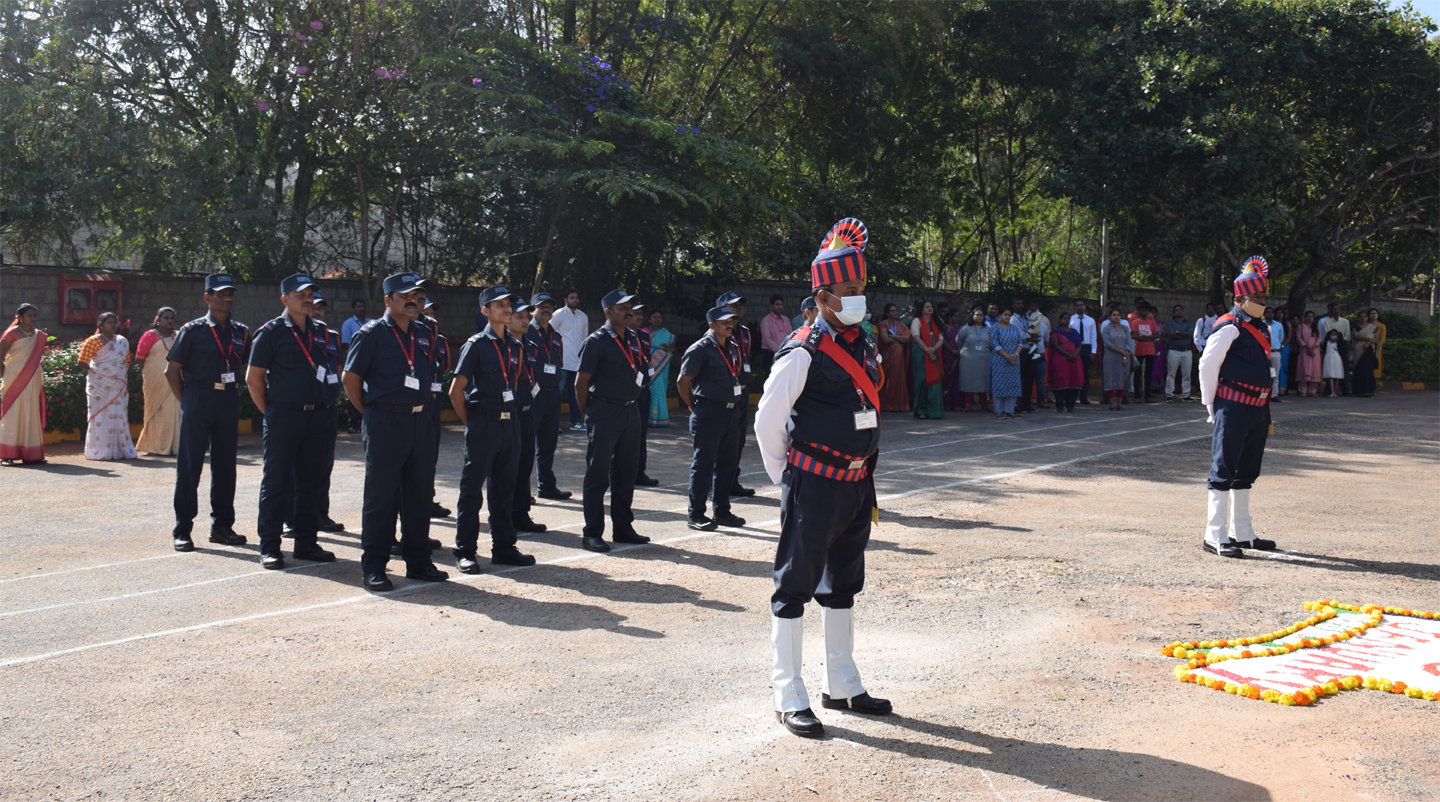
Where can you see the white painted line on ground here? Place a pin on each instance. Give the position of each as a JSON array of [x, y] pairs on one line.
[[88, 568]]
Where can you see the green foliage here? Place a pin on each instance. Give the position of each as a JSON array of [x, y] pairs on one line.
[[66, 404], [1414, 360]]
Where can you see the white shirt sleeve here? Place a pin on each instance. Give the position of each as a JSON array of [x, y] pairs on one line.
[[1217, 345], [772, 417]]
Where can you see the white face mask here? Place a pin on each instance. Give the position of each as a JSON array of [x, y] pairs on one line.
[[852, 309]]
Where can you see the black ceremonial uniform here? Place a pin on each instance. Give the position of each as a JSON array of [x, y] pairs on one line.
[[717, 390], [549, 354], [212, 356], [491, 363], [612, 453]]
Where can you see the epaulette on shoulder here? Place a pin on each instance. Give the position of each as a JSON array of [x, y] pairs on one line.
[[269, 326], [807, 337]]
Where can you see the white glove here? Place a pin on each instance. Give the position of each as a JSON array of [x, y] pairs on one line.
[[1211, 411]]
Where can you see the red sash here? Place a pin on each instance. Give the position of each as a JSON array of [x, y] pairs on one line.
[[862, 381], [21, 380], [1248, 326]]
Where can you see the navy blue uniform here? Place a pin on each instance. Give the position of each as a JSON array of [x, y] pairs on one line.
[[642, 410], [526, 394], [742, 409], [549, 366], [613, 427], [212, 356], [715, 374], [397, 368], [491, 363], [331, 417], [298, 370], [1242, 408], [827, 491], [442, 367]]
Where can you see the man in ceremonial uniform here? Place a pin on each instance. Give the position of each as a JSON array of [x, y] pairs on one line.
[[289, 372], [204, 372], [709, 385], [549, 351], [1235, 384], [743, 341], [484, 392], [818, 429], [388, 375], [527, 391], [607, 383], [637, 317], [332, 422]]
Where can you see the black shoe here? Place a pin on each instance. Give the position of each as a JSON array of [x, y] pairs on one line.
[[1274, 399], [1085, 401], [702, 524], [645, 481], [435, 544], [728, 519], [864, 703], [287, 531], [524, 524], [427, 573], [629, 537], [802, 723], [226, 536], [742, 491], [315, 554], [184, 544], [467, 562], [594, 543], [272, 562], [378, 582], [437, 511], [1257, 544], [328, 525], [510, 555], [1223, 550], [556, 495]]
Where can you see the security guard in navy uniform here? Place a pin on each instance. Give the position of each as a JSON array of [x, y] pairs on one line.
[[607, 385], [204, 374], [332, 421], [484, 392], [289, 371], [642, 409], [744, 341], [527, 392], [442, 367], [818, 430], [709, 385], [388, 372], [549, 350]]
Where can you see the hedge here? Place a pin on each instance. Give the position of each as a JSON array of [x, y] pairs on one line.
[[65, 401], [1412, 359]]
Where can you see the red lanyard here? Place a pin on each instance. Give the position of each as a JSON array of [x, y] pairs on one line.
[[228, 350], [624, 349], [504, 364], [545, 343], [734, 370], [303, 348], [409, 355]]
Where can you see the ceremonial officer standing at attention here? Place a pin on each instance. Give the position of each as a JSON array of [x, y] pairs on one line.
[[388, 374], [289, 372], [437, 407], [204, 371], [549, 353], [526, 393], [484, 394], [1235, 384], [818, 429], [709, 384], [743, 341], [607, 383], [637, 317], [332, 421]]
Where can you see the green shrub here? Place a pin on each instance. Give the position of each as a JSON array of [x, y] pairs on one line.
[[1412, 360], [1398, 325]]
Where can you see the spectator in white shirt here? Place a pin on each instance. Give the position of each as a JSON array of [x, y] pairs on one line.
[[1084, 324], [574, 327]]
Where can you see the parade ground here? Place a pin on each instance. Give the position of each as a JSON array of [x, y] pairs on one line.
[[1021, 584]]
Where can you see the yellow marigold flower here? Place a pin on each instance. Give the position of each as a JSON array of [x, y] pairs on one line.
[[1287, 699], [1180, 653], [1231, 687], [1180, 672], [1331, 688], [1414, 693]]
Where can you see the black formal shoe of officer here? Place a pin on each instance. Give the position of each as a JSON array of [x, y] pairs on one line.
[[523, 523], [742, 491], [556, 495], [802, 723], [378, 582], [272, 562], [466, 562], [646, 481], [509, 555], [225, 536], [314, 554], [397, 550], [701, 524], [630, 536], [184, 544], [287, 531], [1259, 544], [862, 703], [328, 525], [729, 519], [594, 543], [437, 511], [1224, 549], [426, 573]]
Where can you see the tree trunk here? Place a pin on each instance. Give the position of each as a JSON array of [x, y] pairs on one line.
[[542, 273], [300, 210], [1300, 290], [367, 278], [567, 33]]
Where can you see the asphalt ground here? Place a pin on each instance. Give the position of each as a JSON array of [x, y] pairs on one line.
[[1021, 583]]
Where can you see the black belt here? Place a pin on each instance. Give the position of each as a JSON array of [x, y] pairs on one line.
[[490, 414], [204, 385], [1245, 389], [617, 402], [725, 404], [400, 408], [829, 458], [547, 389], [296, 407]]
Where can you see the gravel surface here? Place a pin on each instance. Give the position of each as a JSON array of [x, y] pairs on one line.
[[1020, 586]]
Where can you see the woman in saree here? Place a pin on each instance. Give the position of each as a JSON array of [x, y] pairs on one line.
[[1063, 368], [951, 350], [1362, 356], [662, 343], [161, 435], [105, 356], [1374, 316], [893, 344], [1308, 361], [22, 390], [926, 337]]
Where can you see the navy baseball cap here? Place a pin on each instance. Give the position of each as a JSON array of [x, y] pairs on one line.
[[517, 304], [808, 303], [429, 304], [718, 314], [294, 283], [615, 297], [318, 299], [730, 298], [402, 282], [541, 298], [219, 281], [636, 305], [495, 293]]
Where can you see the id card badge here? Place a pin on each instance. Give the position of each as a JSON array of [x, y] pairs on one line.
[[746, 365], [320, 374], [640, 380], [412, 382], [435, 387], [534, 390], [1273, 373], [550, 369], [508, 395], [738, 390], [332, 378], [227, 378], [866, 419]]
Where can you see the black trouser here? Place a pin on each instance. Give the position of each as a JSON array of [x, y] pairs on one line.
[[1085, 357], [546, 411], [524, 463], [1145, 364], [294, 449], [1028, 366], [291, 501], [399, 462], [1065, 399], [1238, 445], [824, 528], [611, 456], [492, 454], [209, 419], [643, 457], [742, 420], [712, 466]]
